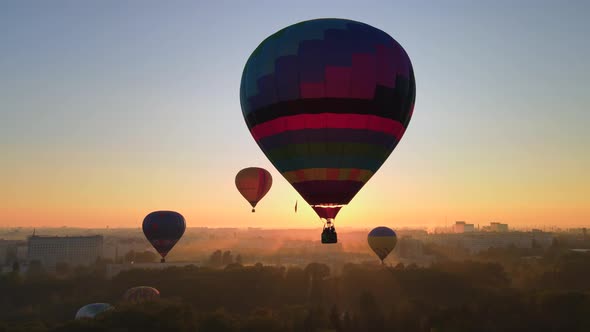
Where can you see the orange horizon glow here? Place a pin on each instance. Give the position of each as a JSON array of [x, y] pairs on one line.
[[75, 200], [101, 124]]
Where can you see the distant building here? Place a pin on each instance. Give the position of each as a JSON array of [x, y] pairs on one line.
[[580, 232], [73, 250], [12, 251], [478, 241], [462, 227], [498, 227]]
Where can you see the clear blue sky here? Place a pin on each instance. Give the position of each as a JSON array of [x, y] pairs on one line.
[[108, 89]]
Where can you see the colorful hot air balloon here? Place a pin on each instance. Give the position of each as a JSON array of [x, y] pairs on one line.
[[253, 183], [163, 229], [382, 241], [92, 310], [327, 101], [141, 294]]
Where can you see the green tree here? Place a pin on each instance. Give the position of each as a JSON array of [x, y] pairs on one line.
[[35, 270], [316, 273], [227, 258], [216, 258], [216, 322]]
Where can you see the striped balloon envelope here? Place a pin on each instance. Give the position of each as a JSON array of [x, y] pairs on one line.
[[253, 183], [141, 294], [327, 101], [163, 229], [382, 241]]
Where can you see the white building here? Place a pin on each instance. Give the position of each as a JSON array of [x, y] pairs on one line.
[[73, 250], [462, 227]]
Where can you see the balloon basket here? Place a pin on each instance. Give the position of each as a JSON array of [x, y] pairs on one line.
[[329, 238]]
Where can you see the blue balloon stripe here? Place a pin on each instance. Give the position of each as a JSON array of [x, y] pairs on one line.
[[382, 231], [329, 135]]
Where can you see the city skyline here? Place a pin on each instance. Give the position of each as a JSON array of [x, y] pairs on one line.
[[109, 111]]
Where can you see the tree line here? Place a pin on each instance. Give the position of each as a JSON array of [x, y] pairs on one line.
[[497, 290]]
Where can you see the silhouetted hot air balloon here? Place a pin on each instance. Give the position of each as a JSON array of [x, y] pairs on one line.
[[327, 101], [141, 294], [382, 241], [253, 183], [92, 310], [163, 229]]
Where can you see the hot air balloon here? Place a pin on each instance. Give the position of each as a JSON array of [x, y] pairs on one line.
[[253, 183], [382, 241], [141, 294], [327, 101], [92, 310], [163, 229]]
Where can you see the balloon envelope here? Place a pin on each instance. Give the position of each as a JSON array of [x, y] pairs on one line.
[[253, 183], [92, 310], [327, 101], [141, 294], [382, 241], [163, 229]]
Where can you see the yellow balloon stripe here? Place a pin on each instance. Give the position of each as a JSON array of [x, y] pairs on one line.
[[382, 245]]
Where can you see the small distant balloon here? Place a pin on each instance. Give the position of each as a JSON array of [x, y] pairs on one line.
[[92, 310], [382, 241], [141, 294], [163, 229], [253, 183]]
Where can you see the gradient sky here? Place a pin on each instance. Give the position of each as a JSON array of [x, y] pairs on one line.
[[112, 109]]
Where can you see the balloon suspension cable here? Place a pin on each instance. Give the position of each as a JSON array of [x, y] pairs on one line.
[[328, 223]]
